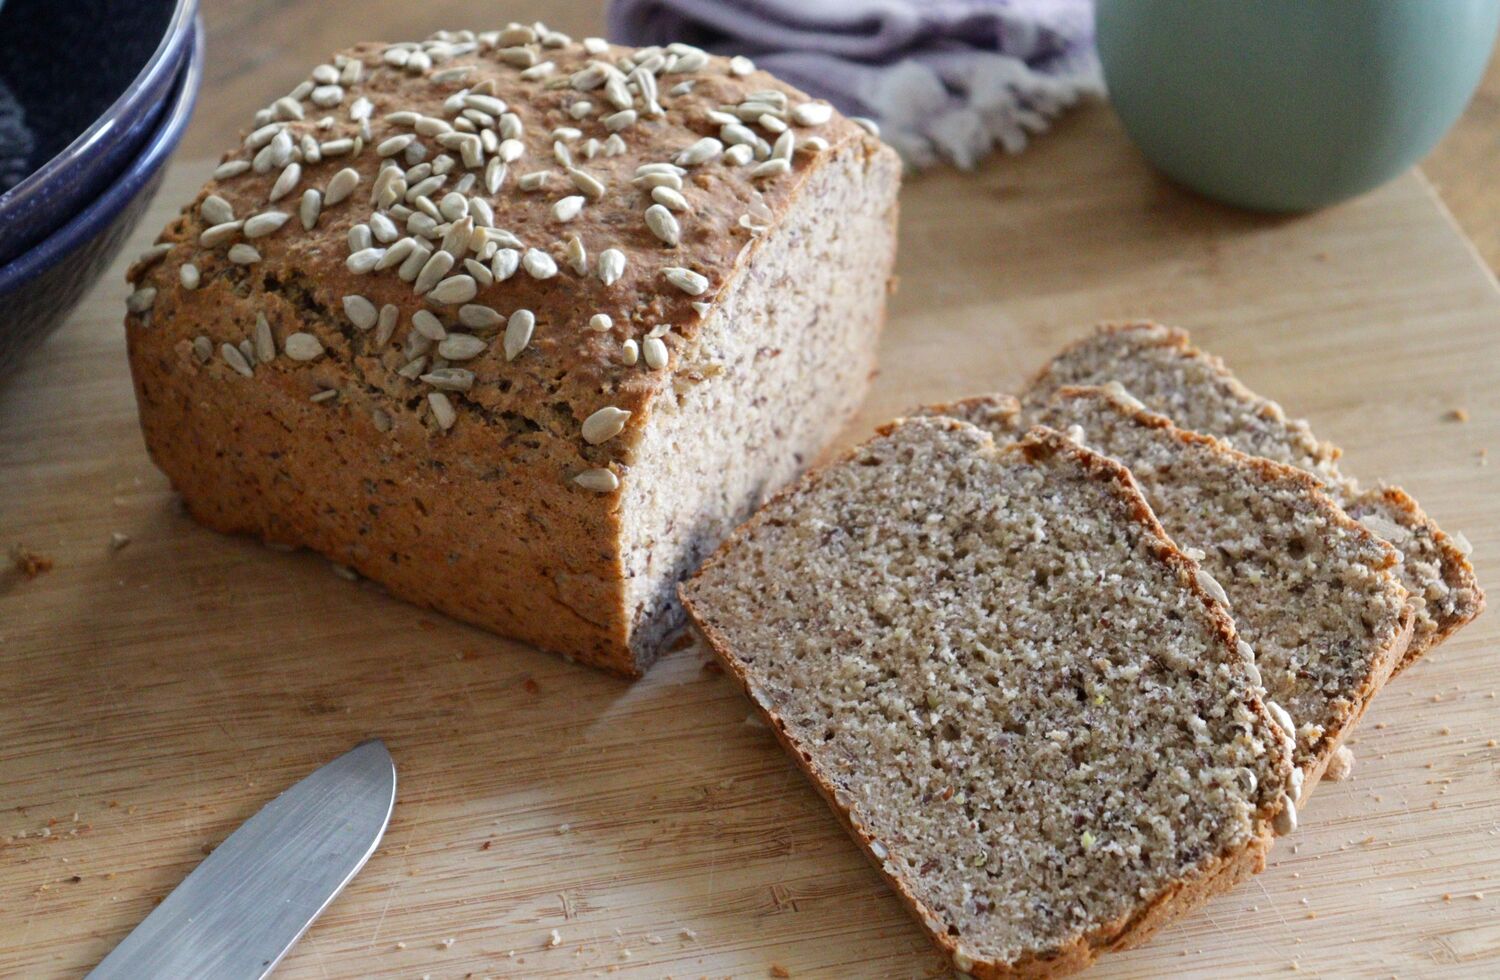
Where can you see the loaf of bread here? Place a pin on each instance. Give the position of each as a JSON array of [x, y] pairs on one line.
[[1012, 688], [1160, 366], [516, 325]]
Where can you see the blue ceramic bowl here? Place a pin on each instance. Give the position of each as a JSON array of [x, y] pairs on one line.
[[40, 288], [92, 79]]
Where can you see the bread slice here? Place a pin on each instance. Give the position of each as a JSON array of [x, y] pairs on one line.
[[1159, 366], [1009, 684], [1313, 593]]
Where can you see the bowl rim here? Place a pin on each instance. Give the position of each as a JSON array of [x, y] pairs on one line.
[[79, 228], [167, 60]]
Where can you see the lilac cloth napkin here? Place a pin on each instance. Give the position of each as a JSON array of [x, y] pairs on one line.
[[950, 79]]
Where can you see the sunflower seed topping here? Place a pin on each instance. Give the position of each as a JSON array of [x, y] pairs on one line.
[[741, 65], [362, 262], [701, 152], [454, 290], [141, 300], [360, 311], [265, 340], [686, 280], [601, 322], [663, 224], [188, 276], [242, 254], [604, 425], [236, 360], [450, 378], [302, 347], [341, 185], [219, 234], [442, 410], [203, 348], [518, 333], [598, 480], [231, 168], [630, 352], [538, 264], [654, 351], [428, 325], [215, 210], [310, 208], [568, 208], [461, 347], [669, 198], [433, 271], [263, 224], [286, 182], [611, 266], [812, 114]]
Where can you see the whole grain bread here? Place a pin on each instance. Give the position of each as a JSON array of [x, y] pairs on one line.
[[519, 326], [1160, 366], [1008, 683]]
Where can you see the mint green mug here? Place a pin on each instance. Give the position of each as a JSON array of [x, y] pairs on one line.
[[1289, 105]]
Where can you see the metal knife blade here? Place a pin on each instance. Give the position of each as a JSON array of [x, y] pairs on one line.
[[238, 912]]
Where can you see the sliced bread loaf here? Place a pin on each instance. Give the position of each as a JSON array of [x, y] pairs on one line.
[[1313, 593], [1009, 684], [1159, 366]]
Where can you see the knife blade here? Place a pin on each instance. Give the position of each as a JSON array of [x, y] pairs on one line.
[[240, 910]]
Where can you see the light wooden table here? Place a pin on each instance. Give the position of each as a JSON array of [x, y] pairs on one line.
[[261, 46], [153, 698]]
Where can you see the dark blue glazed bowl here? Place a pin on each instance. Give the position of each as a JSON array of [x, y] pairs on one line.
[[91, 79], [40, 288]]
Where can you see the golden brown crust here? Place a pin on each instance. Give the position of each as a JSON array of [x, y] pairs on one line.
[[480, 518], [1217, 875]]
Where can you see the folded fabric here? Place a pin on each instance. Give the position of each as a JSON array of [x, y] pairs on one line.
[[949, 79]]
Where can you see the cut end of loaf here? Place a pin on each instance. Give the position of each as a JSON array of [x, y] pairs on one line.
[[1009, 684]]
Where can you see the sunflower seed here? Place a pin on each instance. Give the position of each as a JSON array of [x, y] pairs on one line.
[[154, 254], [263, 224], [568, 208], [654, 351], [413, 264], [454, 289], [663, 224], [383, 228], [614, 146], [219, 234], [433, 271], [302, 347], [265, 340], [812, 114], [1286, 817], [518, 332], [231, 168], [364, 261], [604, 425], [772, 123], [236, 360], [215, 210], [461, 347], [360, 237], [611, 266], [598, 480], [341, 185], [774, 167], [390, 146], [505, 263], [655, 179], [242, 254], [669, 198], [538, 264], [281, 147], [397, 253], [868, 125], [286, 182], [1282, 718], [477, 317], [428, 325], [188, 276], [686, 280], [701, 152], [786, 145], [360, 311], [741, 65], [141, 300], [203, 348], [600, 322], [533, 181], [450, 378], [442, 410], [630, 352]]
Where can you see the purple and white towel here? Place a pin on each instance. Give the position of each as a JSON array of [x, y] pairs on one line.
[[946, 79]]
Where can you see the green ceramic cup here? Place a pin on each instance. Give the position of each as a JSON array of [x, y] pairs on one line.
[[1289, 105]]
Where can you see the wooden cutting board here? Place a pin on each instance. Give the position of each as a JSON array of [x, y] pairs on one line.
[[153, 698]]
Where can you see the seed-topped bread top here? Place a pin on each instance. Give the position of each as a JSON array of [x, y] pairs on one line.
[[1161, 367], [999, 668], [1313, 594], [511, 225]]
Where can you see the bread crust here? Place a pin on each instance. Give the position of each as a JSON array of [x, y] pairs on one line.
[[1219, 874], [480, 518], [1455, 570]]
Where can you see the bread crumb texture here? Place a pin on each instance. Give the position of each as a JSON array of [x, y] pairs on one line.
[[1007, 680], [1159, 366]]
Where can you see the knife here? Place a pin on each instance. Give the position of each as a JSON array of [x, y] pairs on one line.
[[239, 912]]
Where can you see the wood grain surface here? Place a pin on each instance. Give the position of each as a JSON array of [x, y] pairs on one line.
[[152, 698]]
